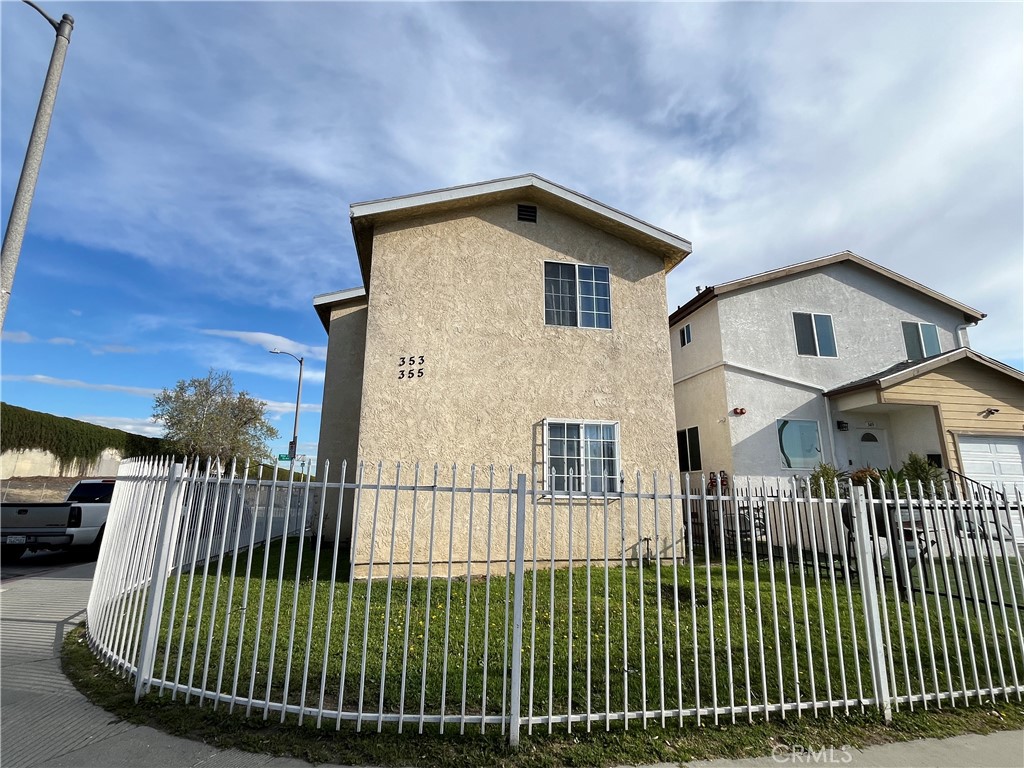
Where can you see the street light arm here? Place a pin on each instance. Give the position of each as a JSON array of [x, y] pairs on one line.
[[298, 401], [53, 22], [276, 351]]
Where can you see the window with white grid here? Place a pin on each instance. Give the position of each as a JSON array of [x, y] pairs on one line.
[[577, 295], [582, 456]]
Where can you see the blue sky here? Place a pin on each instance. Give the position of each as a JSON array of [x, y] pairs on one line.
[[195, 189]]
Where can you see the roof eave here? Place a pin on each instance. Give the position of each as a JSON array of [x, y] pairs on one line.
[[971, 315], [366, 216], [325, 303], [698, 301]]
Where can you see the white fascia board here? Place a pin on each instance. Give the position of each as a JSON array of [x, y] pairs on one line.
[[336, 296], [374, 207]]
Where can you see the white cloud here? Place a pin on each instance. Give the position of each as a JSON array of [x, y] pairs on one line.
[[17, 337], [146, 427], [76, 384], [276, 408], [269, 341], [113, 349], [765, 133]]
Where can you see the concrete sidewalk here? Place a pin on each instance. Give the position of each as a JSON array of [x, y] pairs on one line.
[[46, 723]]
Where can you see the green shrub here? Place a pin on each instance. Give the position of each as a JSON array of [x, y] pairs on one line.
[[917, 469], [831, 476]]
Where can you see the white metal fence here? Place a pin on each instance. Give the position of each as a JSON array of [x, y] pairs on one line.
[[430, 599]]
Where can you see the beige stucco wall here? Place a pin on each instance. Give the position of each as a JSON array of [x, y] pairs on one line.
[[339, 418], [700, 402], [705, 347], [36, 463], [466, 292], [339, 421]]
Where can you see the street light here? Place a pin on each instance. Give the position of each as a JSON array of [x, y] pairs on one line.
[[293, 446], [16, 224]]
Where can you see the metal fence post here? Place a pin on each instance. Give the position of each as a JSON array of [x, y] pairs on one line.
[[157, 583], [515, 704], [872, 610]]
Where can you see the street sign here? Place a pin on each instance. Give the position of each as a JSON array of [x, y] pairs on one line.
[[283, 457]]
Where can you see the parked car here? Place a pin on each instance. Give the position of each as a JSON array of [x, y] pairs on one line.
[[76, 523]]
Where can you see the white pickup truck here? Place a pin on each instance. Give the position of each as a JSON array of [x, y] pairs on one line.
[[76, 523]]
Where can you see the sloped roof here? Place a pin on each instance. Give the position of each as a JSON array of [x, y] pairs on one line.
[[911, 369], [713, 291], [528, 187]]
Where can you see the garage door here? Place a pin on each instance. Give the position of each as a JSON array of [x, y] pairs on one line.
[[993, 460]]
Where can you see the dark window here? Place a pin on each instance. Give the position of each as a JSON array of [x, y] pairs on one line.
[[814, 334], [688, 441], [935, 459], [85, 493], [559, 293], [684, 335], [921, 339], [527, 213]]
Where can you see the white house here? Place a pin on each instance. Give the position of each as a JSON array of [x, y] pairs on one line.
[[842, 361]]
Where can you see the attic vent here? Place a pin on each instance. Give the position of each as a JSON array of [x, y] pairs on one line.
[[527, 213]]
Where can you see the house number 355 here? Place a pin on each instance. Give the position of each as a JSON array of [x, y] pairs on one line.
[[410, 367]]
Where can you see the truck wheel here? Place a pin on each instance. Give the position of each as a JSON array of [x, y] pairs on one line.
[[11, 552], [92, 552]]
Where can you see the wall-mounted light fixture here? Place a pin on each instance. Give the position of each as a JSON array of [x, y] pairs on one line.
[[738, 411], [989, 411], [843, 426]]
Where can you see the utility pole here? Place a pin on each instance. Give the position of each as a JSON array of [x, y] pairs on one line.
[[18, 221]]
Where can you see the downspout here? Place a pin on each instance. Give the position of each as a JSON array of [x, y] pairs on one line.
[[959, 331]]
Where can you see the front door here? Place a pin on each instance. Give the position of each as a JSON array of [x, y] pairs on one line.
[[873, 448]]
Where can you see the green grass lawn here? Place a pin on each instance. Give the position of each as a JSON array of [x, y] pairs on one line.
[[656, 638]]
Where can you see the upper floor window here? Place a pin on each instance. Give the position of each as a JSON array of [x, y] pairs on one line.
[[814, 334], [922, 340], [684, 335], [799, 443], [577, 295], [688, 442], [582, 456]]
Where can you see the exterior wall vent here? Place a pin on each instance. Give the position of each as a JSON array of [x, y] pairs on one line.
[[527, 213]]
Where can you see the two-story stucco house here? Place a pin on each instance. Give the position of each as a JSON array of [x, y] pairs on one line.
[[842, 361], [511, 322]]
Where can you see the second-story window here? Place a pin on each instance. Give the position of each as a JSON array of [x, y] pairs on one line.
[[814, 334], [922, 340], [577, 295], [684, 335]]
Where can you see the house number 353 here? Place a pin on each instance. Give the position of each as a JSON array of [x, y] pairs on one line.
[[410, 367]]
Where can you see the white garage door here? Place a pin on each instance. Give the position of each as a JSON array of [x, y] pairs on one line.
[[993, 460]]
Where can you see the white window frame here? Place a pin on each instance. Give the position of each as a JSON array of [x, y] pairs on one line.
[[579, 303], [920, 337], [814, 330], [821, 448], [689, 458], [685, 337], [546, 484]]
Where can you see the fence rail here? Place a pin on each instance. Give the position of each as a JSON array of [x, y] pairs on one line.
[[452, 599]]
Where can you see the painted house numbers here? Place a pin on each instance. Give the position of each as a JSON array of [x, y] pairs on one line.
[[410, 367]]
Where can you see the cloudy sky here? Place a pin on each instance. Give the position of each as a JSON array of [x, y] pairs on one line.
[[194, 193]]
